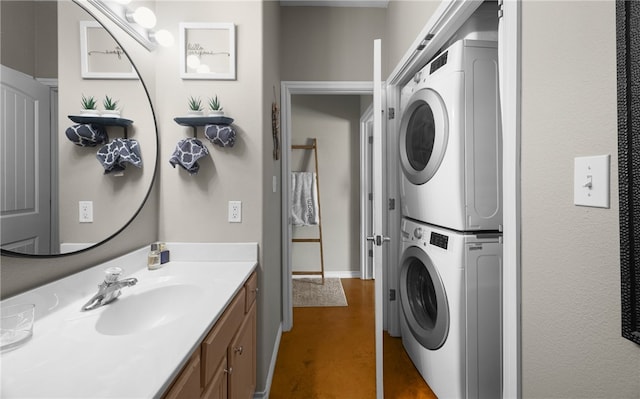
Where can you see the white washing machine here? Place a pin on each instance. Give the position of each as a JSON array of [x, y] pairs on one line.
[[450, 296], [450, 140]]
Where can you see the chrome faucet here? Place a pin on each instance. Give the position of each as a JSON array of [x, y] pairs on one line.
[[109, 289]]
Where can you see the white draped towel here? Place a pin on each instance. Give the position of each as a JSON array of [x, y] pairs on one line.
[[304, 194]]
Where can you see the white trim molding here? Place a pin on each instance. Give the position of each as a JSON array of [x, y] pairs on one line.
[[272, 368], [511, 99], [288, 89]]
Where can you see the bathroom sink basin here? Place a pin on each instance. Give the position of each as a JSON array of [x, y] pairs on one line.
[[135, 312]]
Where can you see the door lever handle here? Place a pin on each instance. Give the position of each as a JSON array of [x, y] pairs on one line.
[[378, 239]]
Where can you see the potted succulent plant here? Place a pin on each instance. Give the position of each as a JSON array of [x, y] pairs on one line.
[[215, 108], [110, 107], [89, 106], [195, 106]]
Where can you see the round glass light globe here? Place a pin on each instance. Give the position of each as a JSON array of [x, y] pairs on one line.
[[203, 68], [144, 17], [164, 38], [193, 61]]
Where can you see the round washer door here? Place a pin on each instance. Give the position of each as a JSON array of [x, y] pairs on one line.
[[424, 132], [423, 299]]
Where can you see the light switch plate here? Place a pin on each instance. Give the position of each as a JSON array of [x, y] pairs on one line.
[[591, 181]]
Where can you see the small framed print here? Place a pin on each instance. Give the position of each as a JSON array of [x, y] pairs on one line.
[[101, 57], [207, 51]]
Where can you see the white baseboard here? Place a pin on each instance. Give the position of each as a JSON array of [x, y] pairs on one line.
[[272, 368], [333, 274]]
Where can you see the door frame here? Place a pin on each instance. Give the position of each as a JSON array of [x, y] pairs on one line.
[[446, 20], [288, 89]]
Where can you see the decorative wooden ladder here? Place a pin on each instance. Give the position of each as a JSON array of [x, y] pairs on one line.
[[313, 146]]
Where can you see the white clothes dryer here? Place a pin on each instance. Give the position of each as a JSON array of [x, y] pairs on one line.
[[450, 140], [450, 296]]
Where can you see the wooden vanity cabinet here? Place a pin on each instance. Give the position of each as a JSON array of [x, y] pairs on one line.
[[242, 359], [187, 384], [224, 366]]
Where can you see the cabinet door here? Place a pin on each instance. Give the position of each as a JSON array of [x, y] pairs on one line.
[[214, 347], [218, 387], [187, 385], [242, 359]]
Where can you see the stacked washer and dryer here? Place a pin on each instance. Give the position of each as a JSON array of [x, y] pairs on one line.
[[451, 252]]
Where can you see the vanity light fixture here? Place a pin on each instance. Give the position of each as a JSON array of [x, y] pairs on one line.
[[163, 37], [143, 16], [117, 11]]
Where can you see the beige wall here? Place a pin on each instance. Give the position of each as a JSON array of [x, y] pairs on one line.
[[404, 21], [270, 294], [571, 343], [194, 208], [29, 37], [329, 43], [115, 198], [335, 121], [336, 43]]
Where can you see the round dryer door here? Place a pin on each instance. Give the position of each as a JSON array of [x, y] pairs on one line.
[[423, 299], [424, 132]]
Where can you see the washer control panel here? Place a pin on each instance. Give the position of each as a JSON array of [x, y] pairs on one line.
[[439, 240]]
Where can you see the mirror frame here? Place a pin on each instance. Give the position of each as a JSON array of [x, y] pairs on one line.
[[628, 93], [4, 252]]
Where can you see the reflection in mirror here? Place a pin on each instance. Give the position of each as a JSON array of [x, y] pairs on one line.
[[49, 183]]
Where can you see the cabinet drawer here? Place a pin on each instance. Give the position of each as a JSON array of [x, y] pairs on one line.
[[214, 347], [251, 291]]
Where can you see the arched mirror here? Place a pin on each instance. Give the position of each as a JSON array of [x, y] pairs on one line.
[[57, 197]]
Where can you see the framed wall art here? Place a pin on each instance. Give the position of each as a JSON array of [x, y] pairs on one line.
[[207, 51], [101, 57]]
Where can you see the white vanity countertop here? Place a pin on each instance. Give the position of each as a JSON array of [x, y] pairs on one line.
[[75, 354]]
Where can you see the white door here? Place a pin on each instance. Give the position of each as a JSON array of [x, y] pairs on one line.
[[366, 193], [25, 181], [378, 238]]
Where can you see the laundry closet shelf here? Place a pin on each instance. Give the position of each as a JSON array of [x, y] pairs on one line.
[[101, 120], [203, 120]]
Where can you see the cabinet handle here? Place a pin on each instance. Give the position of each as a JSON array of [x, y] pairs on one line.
[[238, 349], [229, 370]]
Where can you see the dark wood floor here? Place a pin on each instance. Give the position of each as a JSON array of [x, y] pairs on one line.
[[330, 353]]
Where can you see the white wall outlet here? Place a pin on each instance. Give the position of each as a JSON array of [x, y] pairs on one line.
[[235, 211], [591, 181], [85, 209]]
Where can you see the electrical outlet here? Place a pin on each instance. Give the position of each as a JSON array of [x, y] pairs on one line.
[[235, 212], [85, 209]]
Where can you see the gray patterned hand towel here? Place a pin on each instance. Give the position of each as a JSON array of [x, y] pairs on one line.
[[187, 153], [221, 135], [115, 155], [87, 135]]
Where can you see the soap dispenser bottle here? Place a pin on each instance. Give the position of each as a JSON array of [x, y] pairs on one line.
[[153, 259]]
